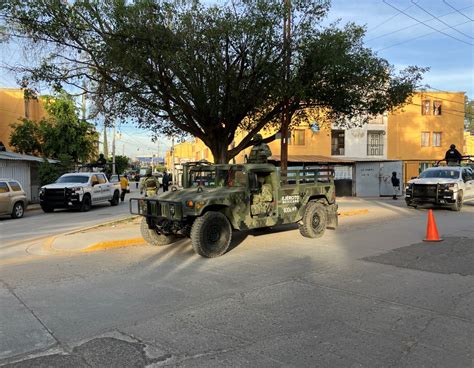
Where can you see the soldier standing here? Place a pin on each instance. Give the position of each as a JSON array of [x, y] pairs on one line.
[[149, 185], [260, 151], [453, 156]]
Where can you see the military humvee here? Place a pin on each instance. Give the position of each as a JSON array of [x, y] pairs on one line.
[[217, 199]]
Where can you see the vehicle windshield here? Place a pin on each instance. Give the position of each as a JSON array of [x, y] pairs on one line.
[[446, 174], [217, 178], [114, 178], [73, 179]]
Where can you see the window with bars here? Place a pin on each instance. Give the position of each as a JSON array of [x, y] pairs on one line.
[[425, 139], [436, 107], [337, 142], [425, 107], [375, 143], [437, 139]]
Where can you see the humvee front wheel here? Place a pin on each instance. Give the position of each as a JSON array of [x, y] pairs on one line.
[[211, 234], [153, 238], [314, 220]]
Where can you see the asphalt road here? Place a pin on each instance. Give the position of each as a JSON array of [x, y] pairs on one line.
[[370, 294], [36, 223]]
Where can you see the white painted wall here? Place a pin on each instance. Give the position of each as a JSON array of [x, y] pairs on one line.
[[356, 139]]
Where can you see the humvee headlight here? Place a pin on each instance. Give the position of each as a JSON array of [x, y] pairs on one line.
[[190, 204], [200, 205]]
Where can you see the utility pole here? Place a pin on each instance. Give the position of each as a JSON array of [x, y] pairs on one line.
[[172, 161], [285, 121], [106, 145], [113, 151]]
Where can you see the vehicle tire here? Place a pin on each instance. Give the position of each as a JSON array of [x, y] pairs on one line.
[[86, 203], [153, 238], [410, 204], [115, 199], [458, 205], [314, 220], [211, 234], [18, 210], [47, 209]]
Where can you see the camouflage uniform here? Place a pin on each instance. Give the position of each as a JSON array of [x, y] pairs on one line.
[[260, 151], [149, 185], [262, 201]]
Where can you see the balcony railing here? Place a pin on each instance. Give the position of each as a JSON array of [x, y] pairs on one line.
[[375, 150]]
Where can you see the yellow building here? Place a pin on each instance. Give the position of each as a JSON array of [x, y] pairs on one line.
[[14, 106], [420, 132], [469, 144]]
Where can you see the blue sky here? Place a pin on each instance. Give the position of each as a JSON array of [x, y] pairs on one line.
[[402, 40]]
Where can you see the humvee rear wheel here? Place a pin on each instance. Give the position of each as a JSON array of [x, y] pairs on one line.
[[153, 238], [211, 234], [314, 220]]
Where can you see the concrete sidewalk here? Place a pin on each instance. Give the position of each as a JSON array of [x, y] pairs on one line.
[[127, 233]]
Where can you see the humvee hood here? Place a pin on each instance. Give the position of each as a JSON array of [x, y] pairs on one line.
[[193, 194]]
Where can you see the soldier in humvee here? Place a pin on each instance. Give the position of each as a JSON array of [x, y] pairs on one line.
[[260, 151], [261, 202]]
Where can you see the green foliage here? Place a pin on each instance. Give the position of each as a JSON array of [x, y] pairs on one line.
[[121, 163], [49, 173], [26, 137], [60, 133], [216, 68], [469, 114]]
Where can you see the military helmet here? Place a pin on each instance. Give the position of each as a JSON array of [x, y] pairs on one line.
[[258, 137]]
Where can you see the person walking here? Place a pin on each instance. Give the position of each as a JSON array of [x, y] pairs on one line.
[[166, 181], [395, 184], [149, 185], [123, 187], [452, 156]]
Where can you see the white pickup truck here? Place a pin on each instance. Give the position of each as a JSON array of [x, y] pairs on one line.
[[449, 186], [80, 191]]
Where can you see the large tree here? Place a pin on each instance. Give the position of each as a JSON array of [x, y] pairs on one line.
[[207, 70]]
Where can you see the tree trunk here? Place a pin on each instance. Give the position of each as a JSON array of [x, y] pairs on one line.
[[219, 150]]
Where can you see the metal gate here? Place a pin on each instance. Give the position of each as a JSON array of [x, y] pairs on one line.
[[386, 169], [367, 179]]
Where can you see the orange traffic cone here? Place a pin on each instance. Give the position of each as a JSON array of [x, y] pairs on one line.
[[431, 229]]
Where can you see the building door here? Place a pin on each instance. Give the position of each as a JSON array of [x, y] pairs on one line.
[[386, 170]]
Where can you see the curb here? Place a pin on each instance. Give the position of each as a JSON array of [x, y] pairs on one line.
[[113, 244], [353, 213]]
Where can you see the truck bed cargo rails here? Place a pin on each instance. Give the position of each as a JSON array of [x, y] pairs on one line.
[[305, 176]]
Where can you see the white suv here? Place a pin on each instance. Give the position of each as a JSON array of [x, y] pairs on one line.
[[449, 186]]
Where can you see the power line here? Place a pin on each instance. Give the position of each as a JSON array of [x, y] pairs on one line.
[[457, 10], [414, 25], [427, 25], [440, 20], [388, 20], [418, 37]]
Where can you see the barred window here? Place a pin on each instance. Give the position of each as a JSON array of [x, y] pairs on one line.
[[436, 139], [425, 107], [436, 107]]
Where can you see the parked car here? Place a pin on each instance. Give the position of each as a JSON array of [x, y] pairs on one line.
[[447, 186], [13, 199], [79, 190]]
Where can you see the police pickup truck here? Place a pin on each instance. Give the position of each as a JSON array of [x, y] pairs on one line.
[[219, 198], [446, 186], [80, 191]]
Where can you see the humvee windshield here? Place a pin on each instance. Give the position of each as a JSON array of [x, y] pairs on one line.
[[214, 178]]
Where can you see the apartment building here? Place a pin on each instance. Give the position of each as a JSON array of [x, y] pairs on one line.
[[420, 132]]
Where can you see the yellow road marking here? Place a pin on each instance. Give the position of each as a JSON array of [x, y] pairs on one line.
[[113, 244], [353, 213]]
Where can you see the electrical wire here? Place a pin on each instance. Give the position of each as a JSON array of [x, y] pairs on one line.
[[418, 37], [387, 20], [414, 25], [427, 25], [440, 20], [458, 10]]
